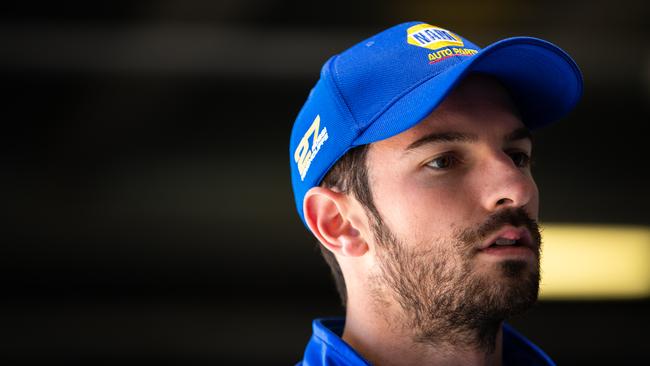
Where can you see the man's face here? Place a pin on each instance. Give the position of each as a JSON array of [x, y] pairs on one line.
[[452, 194]]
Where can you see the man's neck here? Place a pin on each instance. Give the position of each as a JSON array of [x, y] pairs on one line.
[[382, 343]]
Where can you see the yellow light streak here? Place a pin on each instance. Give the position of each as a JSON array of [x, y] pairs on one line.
[[595, 262]]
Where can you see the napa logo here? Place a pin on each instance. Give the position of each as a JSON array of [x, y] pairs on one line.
[[431, 37], [306, 152]]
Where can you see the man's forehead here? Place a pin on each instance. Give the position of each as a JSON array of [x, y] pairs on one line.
[[479, 103], [476, 91]]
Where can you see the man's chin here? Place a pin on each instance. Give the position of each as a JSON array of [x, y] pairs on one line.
[[516, 269], [506, 288], [516, 287], [513, 269]]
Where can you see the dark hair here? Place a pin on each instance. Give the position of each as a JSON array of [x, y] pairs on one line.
[[350, 176]]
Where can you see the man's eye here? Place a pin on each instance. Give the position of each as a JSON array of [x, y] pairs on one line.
[[520, 158], [443, 162]]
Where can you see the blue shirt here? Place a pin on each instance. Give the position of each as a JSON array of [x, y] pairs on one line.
[[327, 348]]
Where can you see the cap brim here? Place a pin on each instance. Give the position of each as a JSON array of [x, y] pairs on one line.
[[542, 79]]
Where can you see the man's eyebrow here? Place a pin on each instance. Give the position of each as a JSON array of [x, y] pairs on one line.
[[437, 137], [521, 133]]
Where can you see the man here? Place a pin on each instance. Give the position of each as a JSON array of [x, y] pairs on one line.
[[410, 164]]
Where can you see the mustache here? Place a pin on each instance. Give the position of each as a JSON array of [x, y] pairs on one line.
[[510, 216]]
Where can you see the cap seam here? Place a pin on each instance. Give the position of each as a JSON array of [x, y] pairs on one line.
[[339, 94], [397, 98]]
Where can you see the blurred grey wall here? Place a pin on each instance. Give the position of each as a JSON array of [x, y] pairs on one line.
[[144, 179]]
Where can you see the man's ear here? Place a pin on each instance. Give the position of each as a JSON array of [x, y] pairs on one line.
[[328, 217]]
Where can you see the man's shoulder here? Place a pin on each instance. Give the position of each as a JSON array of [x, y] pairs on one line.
[[325, 347], [519, 350]]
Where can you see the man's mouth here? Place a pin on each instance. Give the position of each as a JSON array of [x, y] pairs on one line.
[[509, 236], [503, 241]]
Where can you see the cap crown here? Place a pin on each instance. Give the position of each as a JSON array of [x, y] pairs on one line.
[[392, 80], [358, 85]]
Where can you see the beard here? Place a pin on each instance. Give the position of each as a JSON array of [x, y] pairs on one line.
[[443, 298]]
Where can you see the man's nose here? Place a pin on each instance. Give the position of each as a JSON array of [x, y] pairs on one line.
[[505, 184]]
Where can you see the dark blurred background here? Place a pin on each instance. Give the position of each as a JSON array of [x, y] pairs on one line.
[[144, 179]]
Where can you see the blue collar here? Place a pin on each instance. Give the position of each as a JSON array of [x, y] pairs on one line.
[[327, 348]]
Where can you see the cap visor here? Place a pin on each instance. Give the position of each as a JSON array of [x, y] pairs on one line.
[[543, 81]]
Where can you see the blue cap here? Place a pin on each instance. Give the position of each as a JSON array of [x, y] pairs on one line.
[[388, 83]]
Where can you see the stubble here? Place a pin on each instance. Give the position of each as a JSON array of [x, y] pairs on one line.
[[444, 300]]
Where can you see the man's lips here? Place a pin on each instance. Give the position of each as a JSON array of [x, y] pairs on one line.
[[521, 236]]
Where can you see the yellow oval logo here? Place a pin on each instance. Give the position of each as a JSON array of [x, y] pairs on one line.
[[431, 37]]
